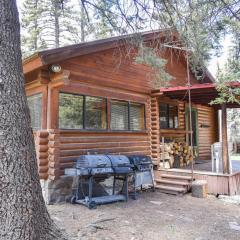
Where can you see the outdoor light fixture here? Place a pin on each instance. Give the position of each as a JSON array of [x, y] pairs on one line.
[[56, 68]]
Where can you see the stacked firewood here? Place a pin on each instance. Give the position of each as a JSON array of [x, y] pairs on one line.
[[175, 154]]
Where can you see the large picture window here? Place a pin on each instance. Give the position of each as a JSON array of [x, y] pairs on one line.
[[35, 107], [82, 112], [168, 115], [95, 114], [127, 116], [137, 117], [90, 113], [70, 111], [119, 115]]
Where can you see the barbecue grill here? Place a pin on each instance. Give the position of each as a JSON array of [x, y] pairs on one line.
[[100, 167], [143, 172]]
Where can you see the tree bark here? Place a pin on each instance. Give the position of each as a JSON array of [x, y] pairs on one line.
[[225, 156], [56, 23], [23, 214]]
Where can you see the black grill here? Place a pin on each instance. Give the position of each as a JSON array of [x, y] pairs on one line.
[[93, 165], [120, 164], [143, 174], [95, 168], [141, 163]]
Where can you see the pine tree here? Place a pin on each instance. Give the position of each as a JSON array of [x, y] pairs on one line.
[[32, 27], [51, 24], [23, 214]]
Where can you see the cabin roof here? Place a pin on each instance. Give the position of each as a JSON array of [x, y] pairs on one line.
[[50, 56], [200, 93]]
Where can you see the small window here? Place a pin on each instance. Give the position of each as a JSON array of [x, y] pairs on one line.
[[137, 119], [95, 115], [70, 111], [168, 115], [35, 107], [119, 115]]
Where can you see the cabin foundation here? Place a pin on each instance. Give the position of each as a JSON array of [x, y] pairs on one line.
[[60, 190]]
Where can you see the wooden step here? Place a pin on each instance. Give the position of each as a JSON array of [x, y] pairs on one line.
[[189, 178], [171, 190], [172, 182]]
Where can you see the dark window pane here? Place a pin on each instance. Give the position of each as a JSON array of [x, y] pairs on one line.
[[137, 121], [119, 115], [35, 107], [163, 114], [168, 115], [194, 127], [70, 111], [95, 113], [173, 116]]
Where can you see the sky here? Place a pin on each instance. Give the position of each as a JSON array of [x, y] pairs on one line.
[[220, 61], [214, 63]]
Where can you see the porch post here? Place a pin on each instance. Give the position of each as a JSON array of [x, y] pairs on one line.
[[225, 157]]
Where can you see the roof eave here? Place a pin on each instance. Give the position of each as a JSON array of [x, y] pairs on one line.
[[32, 63]]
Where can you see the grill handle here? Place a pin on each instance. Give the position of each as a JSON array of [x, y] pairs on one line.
[[102, 165]]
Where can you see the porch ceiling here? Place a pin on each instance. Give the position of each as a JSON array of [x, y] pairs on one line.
[[200, 93]]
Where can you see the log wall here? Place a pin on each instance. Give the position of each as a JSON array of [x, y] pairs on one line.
[[117, 68], [54, 154], [155, 131], [72, 144], [41, 146]]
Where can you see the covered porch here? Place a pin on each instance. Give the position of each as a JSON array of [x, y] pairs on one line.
[[209, 125]]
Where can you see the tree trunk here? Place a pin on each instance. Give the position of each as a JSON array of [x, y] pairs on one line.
[[23, 214], [225, 156], [36, 36], [82, 22], [56, 23]]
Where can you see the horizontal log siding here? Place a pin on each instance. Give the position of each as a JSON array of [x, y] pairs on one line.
[[155, 143], [206, 135], [73, 144], [110, 69], [181, 115], [41, 146], [117, 68]]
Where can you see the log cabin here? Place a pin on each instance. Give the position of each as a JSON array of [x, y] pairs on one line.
[[94, 98]]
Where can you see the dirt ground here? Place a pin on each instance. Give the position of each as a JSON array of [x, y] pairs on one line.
[[154, 216]]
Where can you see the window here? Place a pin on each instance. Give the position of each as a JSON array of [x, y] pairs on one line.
[[70, 111], [119, 115], [95, 113], [35, 107], [168, 115], [127, 116], [82, 112], [137, 113], [90, 113]]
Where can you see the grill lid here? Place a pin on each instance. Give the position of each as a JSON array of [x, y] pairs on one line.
[[119, 161], [140, 160], [93, 161]]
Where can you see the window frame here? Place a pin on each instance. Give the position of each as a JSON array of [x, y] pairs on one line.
[[168, 115], [129, 121], [108, 102], [84, 129], [42, 110], [144, 116], [84, 114]]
